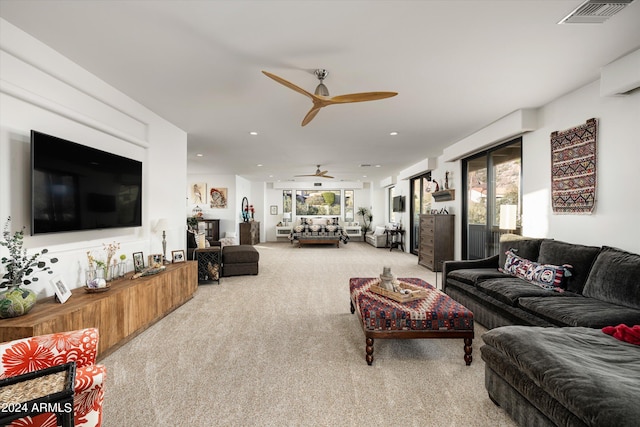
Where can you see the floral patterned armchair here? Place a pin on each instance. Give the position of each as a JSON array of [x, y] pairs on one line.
[[35, 353]]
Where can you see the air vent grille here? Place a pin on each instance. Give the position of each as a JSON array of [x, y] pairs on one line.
[[595, 11]]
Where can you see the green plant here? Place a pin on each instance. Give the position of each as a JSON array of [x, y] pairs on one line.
[[19, 267], [192, 222]]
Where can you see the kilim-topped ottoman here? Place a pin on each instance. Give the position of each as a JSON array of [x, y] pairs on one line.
[[435, 316], [239, 260]]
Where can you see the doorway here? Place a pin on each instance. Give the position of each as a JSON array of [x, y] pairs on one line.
[[492, 203]]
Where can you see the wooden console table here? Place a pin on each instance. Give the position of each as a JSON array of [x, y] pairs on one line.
[[125, 310]]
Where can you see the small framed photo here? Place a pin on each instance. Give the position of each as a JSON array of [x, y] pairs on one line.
[[62, 290], [138, 261], [177, 256], [155, 259], [274, 210]]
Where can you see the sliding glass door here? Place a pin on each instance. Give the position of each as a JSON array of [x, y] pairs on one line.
[[492, 203], [420, 204]]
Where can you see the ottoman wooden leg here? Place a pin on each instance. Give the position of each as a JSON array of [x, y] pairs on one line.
[[369, 350], [353, 309], [467, 351]]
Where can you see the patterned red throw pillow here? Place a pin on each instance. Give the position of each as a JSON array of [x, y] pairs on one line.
[[547, 276]]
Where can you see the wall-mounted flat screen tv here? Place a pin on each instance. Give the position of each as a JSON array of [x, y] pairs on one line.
[[75, 187], [398, 204]]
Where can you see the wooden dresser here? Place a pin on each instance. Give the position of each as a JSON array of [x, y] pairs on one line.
[[436, 240], [250, 233]]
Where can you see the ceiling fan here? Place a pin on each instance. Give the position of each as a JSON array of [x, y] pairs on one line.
[[321, 98], [319, 174]]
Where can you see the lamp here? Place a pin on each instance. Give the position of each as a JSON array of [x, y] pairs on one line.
[[508, 217], [286, 217], [163, 224]]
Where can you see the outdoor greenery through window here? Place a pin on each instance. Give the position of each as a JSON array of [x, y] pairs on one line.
[[286, 201], [321, 202]]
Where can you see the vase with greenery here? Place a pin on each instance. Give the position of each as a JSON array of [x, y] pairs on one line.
[[367, 217], [20, 270]]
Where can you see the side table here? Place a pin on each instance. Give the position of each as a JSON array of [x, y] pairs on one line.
[[395, 239], [208, 264], [38, 392]]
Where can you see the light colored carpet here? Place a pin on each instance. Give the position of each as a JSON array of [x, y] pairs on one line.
[[283, 349]]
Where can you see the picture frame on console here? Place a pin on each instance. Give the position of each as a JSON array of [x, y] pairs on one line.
[[61, 289], [155, 259], [138, 262], [177, 256]]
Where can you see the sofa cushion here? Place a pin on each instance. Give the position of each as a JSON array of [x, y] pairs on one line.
[[615, 278], [547, 276], [579, 256], [471, 276], [379, 231], [593, 375], [526, 248], [580, 311], [510, 289]]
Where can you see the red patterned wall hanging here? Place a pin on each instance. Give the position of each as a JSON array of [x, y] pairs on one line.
[[573, 169]]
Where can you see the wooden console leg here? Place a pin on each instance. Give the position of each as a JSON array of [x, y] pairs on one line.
[[369, 350], [468, 358]]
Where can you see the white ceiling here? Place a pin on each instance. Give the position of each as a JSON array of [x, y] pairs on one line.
[[457, 66]]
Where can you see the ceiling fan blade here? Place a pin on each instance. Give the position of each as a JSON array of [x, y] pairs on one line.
[[311, 114], [325, 176], [288, 84], [360, 97]]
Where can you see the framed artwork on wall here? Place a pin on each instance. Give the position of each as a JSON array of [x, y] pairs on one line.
[[198, 193], [274, 210], [218, 198]]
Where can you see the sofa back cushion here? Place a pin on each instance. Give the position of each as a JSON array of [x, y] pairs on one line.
[[615, 278], [525, 248], [580, 257]]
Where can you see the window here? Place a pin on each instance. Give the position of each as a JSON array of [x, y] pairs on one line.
[[326, 202], [349, 212]]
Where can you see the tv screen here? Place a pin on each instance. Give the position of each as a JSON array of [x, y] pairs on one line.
[[398, 204], [75, 187]]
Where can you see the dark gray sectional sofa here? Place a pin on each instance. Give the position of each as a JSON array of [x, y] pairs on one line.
[[547, 362], [603, 289]]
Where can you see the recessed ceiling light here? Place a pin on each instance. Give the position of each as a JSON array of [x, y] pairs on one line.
[[199, 155], [253, 133], [259, 165], [394, 133], [378, 166]]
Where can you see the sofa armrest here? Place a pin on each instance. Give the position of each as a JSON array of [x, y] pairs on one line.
[[449, 266]]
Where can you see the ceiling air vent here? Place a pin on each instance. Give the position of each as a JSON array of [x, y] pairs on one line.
[[595, 11]]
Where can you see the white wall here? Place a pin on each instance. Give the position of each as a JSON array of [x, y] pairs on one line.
[[42, 90], [615, 219], [262, 196]]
